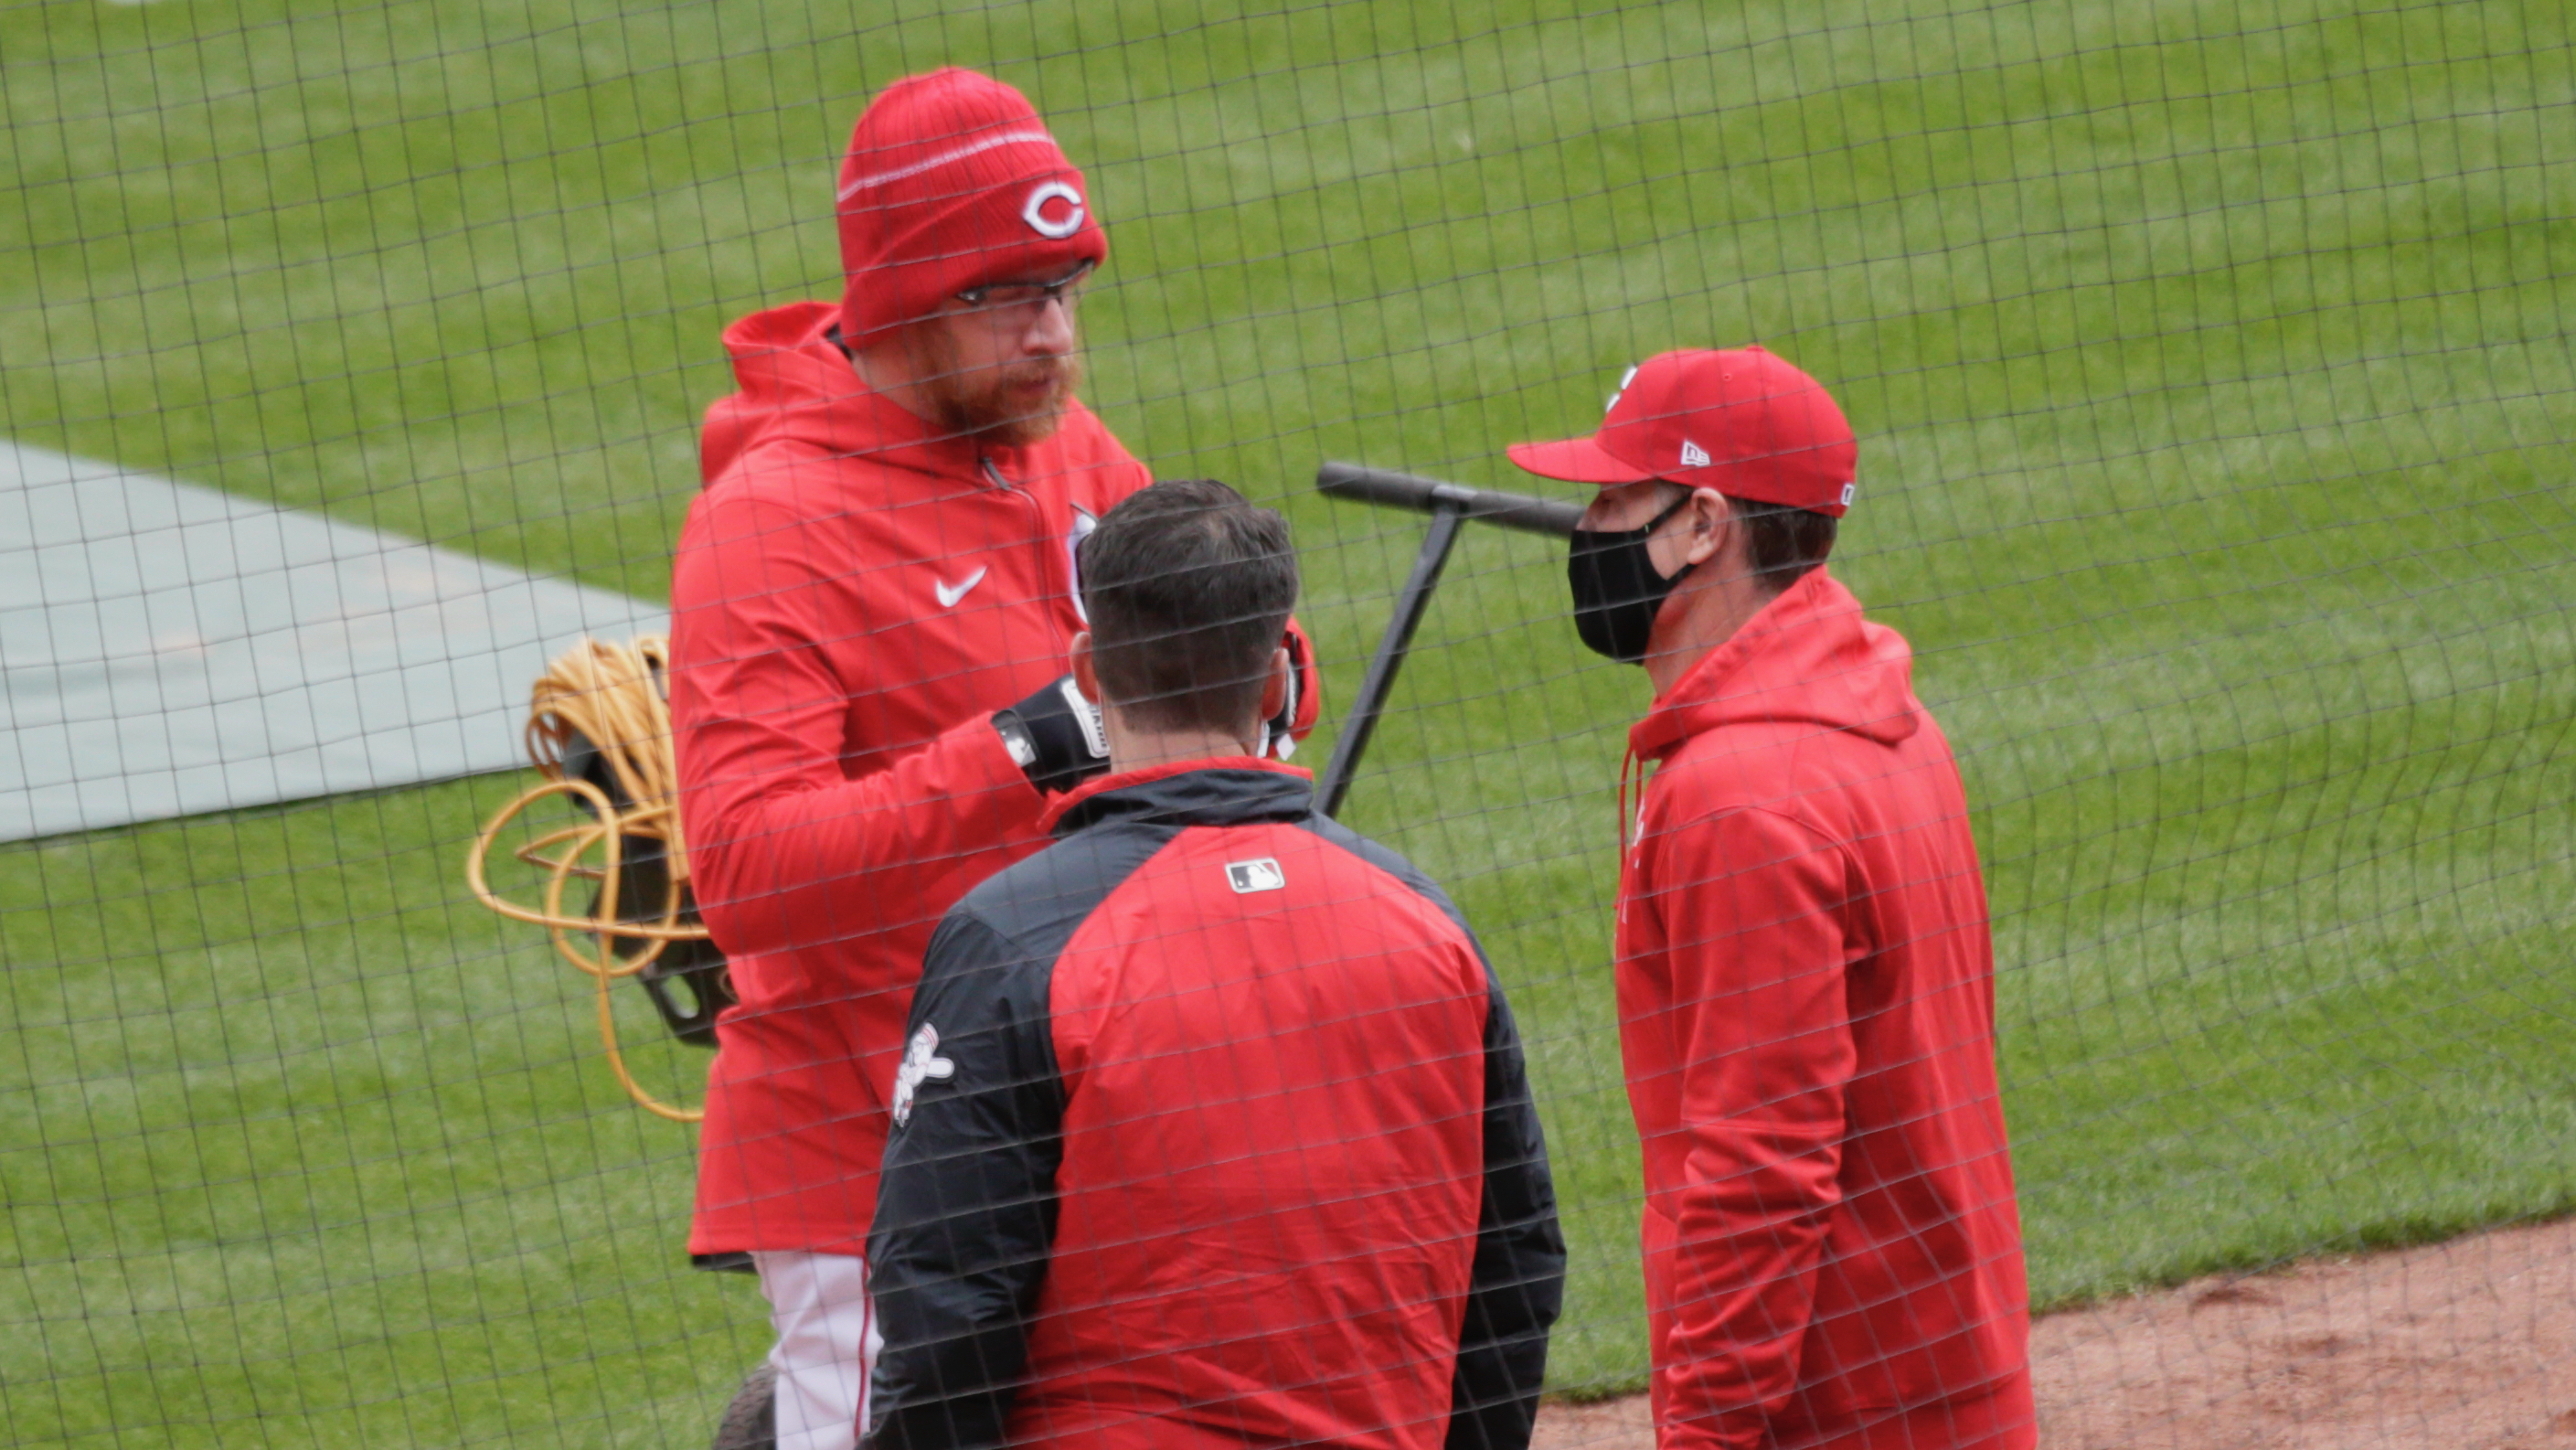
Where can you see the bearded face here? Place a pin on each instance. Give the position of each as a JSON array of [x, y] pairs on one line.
[[986, 379]]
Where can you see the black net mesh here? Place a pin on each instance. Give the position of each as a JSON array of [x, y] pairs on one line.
[[2210, 373]]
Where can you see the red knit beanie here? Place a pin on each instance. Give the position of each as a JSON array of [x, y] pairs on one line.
[[952, 181]]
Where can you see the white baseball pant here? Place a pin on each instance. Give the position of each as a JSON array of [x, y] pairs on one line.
[[827, 1345]]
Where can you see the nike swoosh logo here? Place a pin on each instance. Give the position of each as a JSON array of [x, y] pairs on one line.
[[949, 593]]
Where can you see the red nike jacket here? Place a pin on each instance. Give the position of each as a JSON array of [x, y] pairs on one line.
[[854, 596], [1805, 977], [1212, 1131]]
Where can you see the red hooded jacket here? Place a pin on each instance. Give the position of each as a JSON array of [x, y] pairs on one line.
[[854, 596], [1833, 1254]]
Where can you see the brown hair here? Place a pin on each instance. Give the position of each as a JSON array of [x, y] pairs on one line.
[[1188, 587], [1782, 543]]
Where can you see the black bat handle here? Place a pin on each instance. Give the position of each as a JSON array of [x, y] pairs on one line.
[[1551, 516]]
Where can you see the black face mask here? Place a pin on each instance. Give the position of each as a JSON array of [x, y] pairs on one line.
[[1617, 592]]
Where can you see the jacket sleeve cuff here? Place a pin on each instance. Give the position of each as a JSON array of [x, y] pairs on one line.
[[989, 765]]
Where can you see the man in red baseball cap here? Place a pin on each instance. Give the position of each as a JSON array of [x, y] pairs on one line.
[[871, 607], [1805, 975]]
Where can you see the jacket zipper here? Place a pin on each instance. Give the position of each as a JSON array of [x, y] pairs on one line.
[[1037, 512]]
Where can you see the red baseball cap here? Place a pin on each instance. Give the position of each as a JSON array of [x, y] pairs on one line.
[[951, 182], [1742, 421]]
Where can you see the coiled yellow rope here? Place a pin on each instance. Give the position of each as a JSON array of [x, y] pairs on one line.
[[614, 696]]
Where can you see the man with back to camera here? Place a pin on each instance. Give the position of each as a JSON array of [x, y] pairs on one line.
[[1805, 975], [1212, 1127], [882, 564]]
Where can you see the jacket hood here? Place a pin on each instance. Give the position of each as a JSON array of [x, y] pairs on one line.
[[1809, 659], [796, 385]]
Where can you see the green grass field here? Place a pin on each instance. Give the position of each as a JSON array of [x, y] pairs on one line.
[[2211, 366]]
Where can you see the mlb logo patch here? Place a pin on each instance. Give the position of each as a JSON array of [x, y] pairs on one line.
[[1262, 874]]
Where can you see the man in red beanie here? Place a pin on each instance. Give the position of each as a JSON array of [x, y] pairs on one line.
[[871, 606], [1805, 976]]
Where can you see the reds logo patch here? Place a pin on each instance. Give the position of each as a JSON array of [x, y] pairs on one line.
[[1620, 391], [1083, 524], [921, 1062], [1056, 222]]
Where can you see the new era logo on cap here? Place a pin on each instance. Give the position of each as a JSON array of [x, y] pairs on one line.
[[1693, 456], [1260, 874]]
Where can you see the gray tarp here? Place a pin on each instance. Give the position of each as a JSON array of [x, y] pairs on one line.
[[167, 649]]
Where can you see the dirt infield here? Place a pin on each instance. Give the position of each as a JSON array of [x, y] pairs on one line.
[[2467, 1345]]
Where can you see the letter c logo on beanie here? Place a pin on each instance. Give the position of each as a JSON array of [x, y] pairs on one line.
[[1035, 211]]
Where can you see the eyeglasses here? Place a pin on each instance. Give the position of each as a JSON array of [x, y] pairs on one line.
[[1026, 296]]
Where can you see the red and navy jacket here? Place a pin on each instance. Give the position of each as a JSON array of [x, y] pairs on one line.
[[1212, 1129]]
